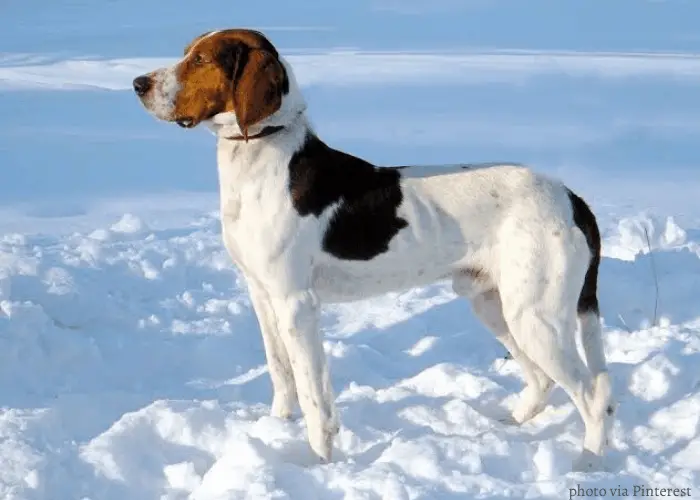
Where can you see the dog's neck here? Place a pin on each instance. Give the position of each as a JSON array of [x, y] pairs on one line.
[[268, 130], [225, 126], [266, 153], [271, 142], [254, 176]]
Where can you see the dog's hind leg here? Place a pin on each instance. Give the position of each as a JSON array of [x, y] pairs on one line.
[[486, 304], [539, 293], [544, 341]]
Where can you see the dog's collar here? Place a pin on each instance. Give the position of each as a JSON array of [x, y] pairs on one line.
[[269, 130]]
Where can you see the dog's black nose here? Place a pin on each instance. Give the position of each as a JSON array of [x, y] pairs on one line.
[[142, 84]]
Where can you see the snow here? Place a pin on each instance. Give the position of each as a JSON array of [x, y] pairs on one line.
[[133, 369], [131, 366]]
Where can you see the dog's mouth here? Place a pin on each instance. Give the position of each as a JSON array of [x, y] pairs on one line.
[[191, 122], [185, 122]]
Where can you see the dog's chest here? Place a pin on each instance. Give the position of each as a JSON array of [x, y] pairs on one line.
[[257, 218]]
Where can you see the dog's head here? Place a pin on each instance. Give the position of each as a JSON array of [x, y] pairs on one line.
[[233, 76]]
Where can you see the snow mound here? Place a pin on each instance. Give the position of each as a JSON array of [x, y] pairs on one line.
[[641, 234], [648, 282], [129, 224]]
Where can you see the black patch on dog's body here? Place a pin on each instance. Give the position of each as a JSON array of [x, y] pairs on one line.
[[366, 219], [586, 222]]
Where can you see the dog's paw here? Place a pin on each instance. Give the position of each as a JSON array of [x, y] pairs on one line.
[[508, 420], [322, 446], [321, 435], [282, 407]]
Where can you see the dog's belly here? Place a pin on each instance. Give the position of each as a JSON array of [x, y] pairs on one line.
[[350, 281]]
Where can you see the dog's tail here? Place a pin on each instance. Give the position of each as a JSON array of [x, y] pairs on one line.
[[587, 306]]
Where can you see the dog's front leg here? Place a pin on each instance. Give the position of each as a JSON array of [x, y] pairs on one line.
[[298, 316], [278, 364]]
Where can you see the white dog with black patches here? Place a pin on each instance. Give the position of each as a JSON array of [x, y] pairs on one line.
[[308, 224]]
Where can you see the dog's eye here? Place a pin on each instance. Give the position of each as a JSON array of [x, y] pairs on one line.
[[198, 59]]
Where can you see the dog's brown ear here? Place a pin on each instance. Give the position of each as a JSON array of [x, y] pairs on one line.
[[258, 92]]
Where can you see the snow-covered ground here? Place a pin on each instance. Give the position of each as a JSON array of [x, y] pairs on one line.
[[131, 366]]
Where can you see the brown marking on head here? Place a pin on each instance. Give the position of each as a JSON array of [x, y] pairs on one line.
[[189, 46], [233, 70]]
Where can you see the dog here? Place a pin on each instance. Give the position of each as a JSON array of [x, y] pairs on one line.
[[307, 224]]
